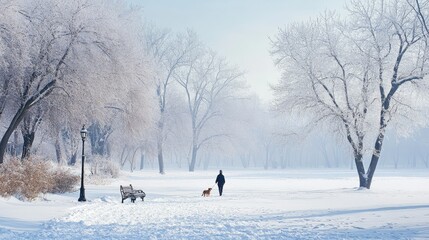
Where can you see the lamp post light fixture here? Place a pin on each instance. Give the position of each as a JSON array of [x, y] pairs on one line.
[[83, 133]]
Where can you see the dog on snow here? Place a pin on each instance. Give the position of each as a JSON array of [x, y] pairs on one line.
[[206, 193]]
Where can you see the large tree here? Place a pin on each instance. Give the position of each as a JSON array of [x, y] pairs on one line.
[[208, 82], [51, 39], [354, 75], [80, 55], [13, 50], [170, 53]]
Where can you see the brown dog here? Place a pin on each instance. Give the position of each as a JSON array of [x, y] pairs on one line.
[[206, 192]]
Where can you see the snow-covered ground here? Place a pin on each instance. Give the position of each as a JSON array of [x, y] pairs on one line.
[[300, 204]]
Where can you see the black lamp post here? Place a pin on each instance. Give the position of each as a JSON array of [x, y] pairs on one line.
[[83, 133]]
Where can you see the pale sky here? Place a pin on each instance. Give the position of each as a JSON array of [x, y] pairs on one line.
[[239, 30]]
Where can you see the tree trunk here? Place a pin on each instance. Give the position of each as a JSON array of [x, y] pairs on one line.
[[267, 157], [133, 161], [19, 115], [73, 158], [28, 143], [58, 151], [178, 160], [380, 138], [123, 156], [194, 158], [360, 168], [194, 146], [426, 161], [12, 148], [15, 143], [5, 89], [374, 159], [141, 161], [99, 136], [160, 156]]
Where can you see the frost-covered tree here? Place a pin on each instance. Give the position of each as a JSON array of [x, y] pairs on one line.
[[208, 82], [170, 53], [421, 8], [355, 75], [74, 50], [12, 51], [50, 39]]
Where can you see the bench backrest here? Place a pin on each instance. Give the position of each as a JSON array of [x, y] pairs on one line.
[[126, 189]]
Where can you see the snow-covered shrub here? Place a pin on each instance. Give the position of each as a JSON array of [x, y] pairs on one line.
[[104, 167], [36, 179], [27, 179], [11, 175], [63, 181], [24, 179]]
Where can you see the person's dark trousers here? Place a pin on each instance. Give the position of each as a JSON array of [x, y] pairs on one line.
[[220, 186]]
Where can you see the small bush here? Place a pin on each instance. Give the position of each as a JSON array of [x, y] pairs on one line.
[[11, 176], [63, 181], [36, 179], [27, 179], [104, 167]]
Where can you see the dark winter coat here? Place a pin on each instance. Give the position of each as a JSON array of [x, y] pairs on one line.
[[220, 179]]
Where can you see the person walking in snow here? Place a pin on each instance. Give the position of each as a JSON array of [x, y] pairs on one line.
[[220, 180]]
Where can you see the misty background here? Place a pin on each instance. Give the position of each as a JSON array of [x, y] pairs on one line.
[[164, 85]]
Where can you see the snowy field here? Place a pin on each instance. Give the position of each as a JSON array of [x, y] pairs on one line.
[[301, 204]]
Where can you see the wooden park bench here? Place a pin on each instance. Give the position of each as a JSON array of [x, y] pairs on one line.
[[129, 192]]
